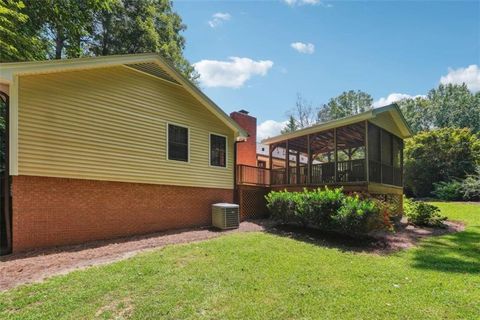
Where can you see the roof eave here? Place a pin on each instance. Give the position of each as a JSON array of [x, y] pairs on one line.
[[320, 127], [403, 125], [9, 70]]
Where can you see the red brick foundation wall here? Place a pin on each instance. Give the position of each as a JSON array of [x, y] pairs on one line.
[[56, 211]]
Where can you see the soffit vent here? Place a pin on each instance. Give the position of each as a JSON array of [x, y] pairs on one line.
[[152, 69]]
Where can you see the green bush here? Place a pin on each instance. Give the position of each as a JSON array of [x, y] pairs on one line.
[[420, 213], [327, 209], [448, 191], [471, 186], [439, 155]]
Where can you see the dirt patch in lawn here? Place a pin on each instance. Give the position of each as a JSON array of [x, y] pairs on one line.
[[34, 266], [382, 242]]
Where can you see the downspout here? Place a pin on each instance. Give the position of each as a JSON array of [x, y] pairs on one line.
[[7, 208]]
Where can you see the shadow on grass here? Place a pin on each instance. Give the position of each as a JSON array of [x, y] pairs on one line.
[[327, 239], [458, 252]]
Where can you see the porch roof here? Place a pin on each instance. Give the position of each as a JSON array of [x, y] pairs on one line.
[[384, 117]]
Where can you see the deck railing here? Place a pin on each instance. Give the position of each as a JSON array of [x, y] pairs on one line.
[[321, 173], [250, 175]]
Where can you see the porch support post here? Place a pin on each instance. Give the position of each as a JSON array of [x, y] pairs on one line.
[[401, 163], [335, 153], [367, 162], [309, 161], [381, 160], [270, 160], [297, 168], [287, 163]]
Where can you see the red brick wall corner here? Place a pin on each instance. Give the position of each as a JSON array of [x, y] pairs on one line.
[[57, 211]]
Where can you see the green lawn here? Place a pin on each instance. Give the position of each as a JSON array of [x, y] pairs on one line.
[[265, 276]]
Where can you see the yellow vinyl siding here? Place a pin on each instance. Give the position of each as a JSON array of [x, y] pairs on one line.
[[110, 124]]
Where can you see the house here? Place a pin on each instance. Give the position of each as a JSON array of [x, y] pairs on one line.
[[360, 153], [103, 147]]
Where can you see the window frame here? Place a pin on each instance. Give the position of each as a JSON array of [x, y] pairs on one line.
[[210, 150], [168, 142]]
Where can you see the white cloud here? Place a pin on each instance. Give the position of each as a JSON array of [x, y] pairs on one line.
[[300, 2], [231, 74], [301, 47], [218, 19], [394, 97], [269, 128], [469, 75], [293, 3]]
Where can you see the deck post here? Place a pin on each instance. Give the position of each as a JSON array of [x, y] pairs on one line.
[[270, 160], [309, 161], [287, 163], [367, 162], [297, 167], [381, 160], [335, 152]]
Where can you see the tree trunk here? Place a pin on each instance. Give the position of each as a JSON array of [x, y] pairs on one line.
[[59, 44]]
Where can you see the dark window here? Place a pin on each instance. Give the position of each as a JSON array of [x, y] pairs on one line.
[[218, 151], [177, 143]]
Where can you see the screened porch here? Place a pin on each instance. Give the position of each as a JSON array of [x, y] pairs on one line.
[[341, 153]]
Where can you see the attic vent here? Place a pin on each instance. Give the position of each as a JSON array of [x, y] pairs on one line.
[[152, 69]]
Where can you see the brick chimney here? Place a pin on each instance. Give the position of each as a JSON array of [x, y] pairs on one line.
[[246, 151]]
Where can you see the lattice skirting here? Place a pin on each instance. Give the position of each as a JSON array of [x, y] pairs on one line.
[[252, 202], [396, 200]]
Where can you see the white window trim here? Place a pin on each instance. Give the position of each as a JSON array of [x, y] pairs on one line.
[[167, 142], [210, 150]]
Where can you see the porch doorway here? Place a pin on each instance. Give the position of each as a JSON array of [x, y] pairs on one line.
[[5, 181]]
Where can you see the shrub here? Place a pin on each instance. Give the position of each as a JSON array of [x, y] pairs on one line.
[[471, 186], [439, 155], [420, 213], [327, 209], [448, 191]]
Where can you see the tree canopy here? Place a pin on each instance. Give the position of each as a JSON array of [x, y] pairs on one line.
[[291, 125], [439, 155], [18, 42], [449, 105], [346, 104], [47, 29]]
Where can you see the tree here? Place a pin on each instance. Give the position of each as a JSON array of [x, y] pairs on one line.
[[137, 26], [455, 106], [17, 41], [418, 113], [75, 28], [439, 155], [346, 104], [65, 25], [291, 125], [301, 116]]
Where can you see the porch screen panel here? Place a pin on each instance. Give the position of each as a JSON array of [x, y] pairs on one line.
[[387, 157], [397, 155], [374, 158], [323, 157], [351, 153]]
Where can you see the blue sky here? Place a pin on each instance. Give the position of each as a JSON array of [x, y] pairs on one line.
[[257, 55]]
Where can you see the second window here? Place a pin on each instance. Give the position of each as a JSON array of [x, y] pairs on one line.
[[218, 150]]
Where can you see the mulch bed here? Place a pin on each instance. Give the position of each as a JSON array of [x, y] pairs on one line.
[[34, 266], [381, 242]]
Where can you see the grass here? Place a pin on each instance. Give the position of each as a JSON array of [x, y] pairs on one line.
[[266, 276]]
